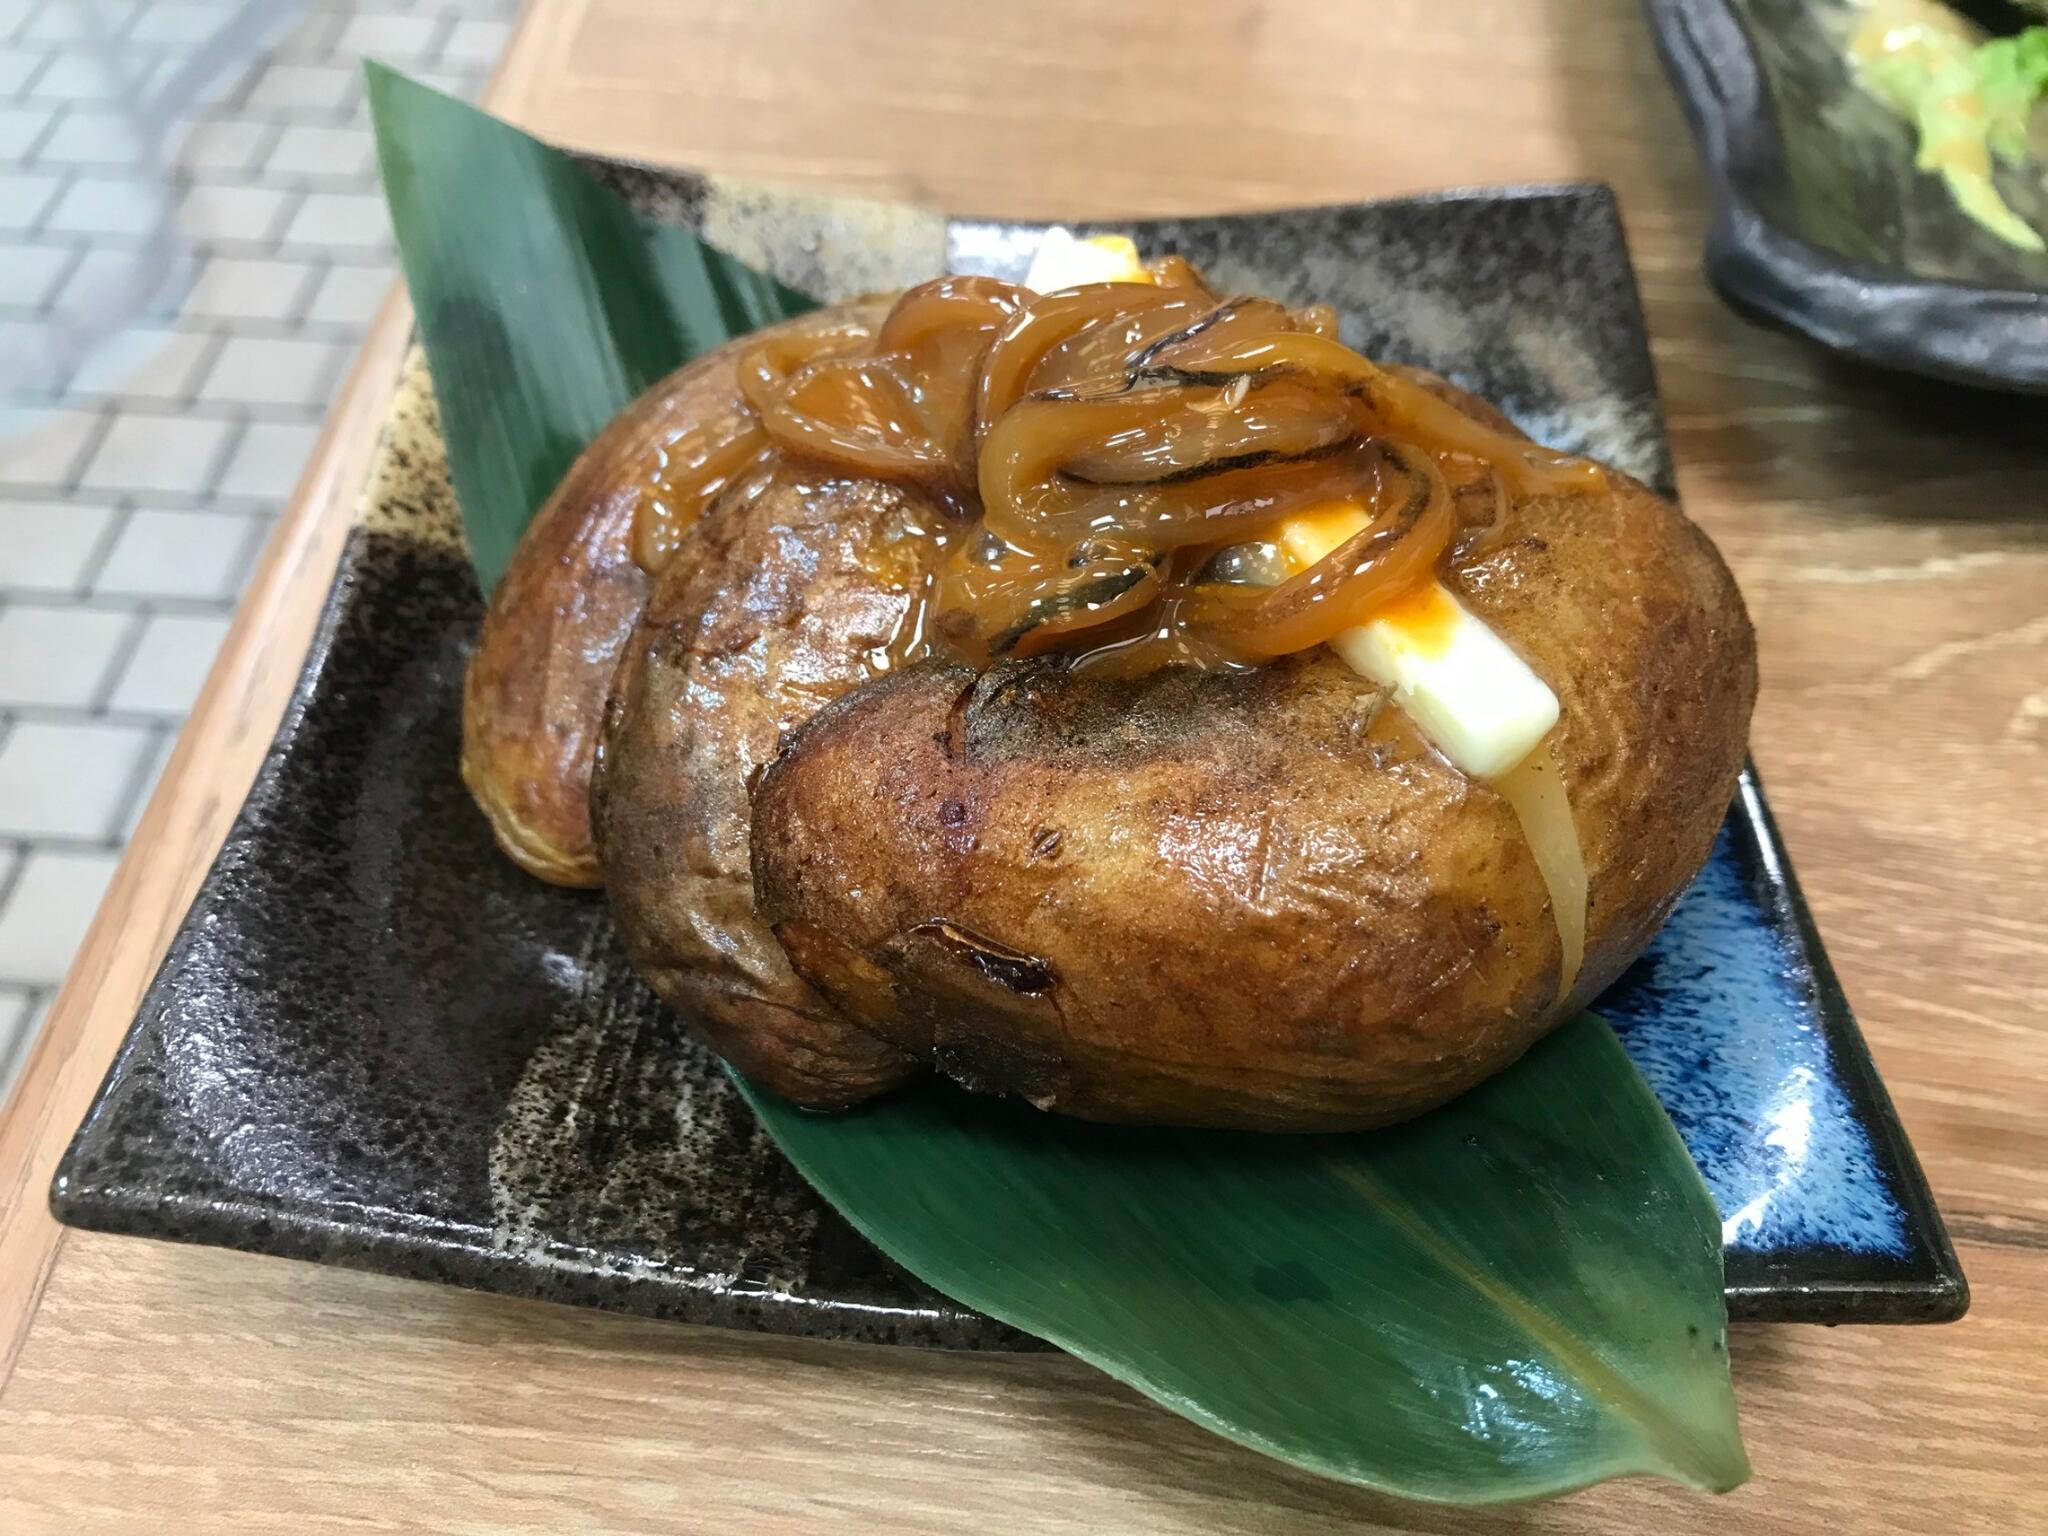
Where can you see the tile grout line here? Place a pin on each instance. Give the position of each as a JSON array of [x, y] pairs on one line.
[[141, 780], [231, 445], [112, 841], [189, 407], [128, 719], [243, 566], [141, 612], [43, 135], [231, 503], [37, 227], [165, 604], [203, 246], [89, 450], [17, 1049], [34, 77], [79, 250], [102, 551], [300, 309], [183, 408], [444, 29], [11, 880], [218, 334]]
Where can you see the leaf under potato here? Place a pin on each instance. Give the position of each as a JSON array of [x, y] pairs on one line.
[[545, 303], [1514, 1296]]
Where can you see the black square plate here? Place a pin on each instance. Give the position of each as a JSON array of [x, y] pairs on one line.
[[375, 1042]]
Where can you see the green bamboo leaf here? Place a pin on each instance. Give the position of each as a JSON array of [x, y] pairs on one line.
[[546, 304], [1514, 1296], [1517, 1295]]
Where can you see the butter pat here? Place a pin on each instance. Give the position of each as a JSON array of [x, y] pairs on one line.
[[1473, 697], [1476, 700], [1064, 262]]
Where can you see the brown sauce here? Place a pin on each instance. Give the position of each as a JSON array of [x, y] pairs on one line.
[[1095, 449]]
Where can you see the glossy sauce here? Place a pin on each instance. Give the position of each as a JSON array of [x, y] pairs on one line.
[[1095, 449]]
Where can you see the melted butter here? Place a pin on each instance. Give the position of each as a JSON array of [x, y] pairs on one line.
[[1425, 617], [1312, 533], [1535, 790]]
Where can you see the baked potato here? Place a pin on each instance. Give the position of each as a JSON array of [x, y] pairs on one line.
[[557, 622], [1248, 891], [767, 613], [1259, 898]]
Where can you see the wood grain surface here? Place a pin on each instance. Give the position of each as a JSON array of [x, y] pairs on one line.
[[1891, 537]]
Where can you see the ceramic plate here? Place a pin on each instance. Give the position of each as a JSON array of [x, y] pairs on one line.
[[1821, 221], [376, 1043]]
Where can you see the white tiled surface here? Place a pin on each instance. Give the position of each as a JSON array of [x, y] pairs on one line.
[[57, 656], [154, 450], [176, 310], [266, 462], [175, 554], [256, 288], [274, 370], [168, 665], [49, 544], [64, 781], [53, 900]]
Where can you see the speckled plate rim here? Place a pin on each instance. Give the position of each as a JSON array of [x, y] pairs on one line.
[[1931, 1290], [1992, 338]]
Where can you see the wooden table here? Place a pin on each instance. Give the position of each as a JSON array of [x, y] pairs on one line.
[[1893, 542]]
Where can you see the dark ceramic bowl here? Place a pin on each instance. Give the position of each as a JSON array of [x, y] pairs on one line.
[[1821, 221]]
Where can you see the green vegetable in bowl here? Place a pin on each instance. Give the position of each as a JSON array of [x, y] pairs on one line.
[[1970, 98], [2012, 76]]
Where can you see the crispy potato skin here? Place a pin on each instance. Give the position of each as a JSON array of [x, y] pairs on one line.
[[535, 688], [555, 627], [767, 612], [1257, 900]]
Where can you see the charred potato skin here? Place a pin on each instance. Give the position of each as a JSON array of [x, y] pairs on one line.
[[533, 698], [535, 689], [768, 611], [1255, 900]]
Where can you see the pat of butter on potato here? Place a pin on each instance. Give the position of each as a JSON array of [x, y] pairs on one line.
[[1473, 697], [1065, 262]]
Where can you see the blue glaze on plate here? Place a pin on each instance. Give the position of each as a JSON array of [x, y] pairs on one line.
[[1719, 1018]]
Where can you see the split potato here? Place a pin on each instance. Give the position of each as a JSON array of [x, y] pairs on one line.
[[769, 611], [1253, 899], [1259, 899], [557, 622]]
